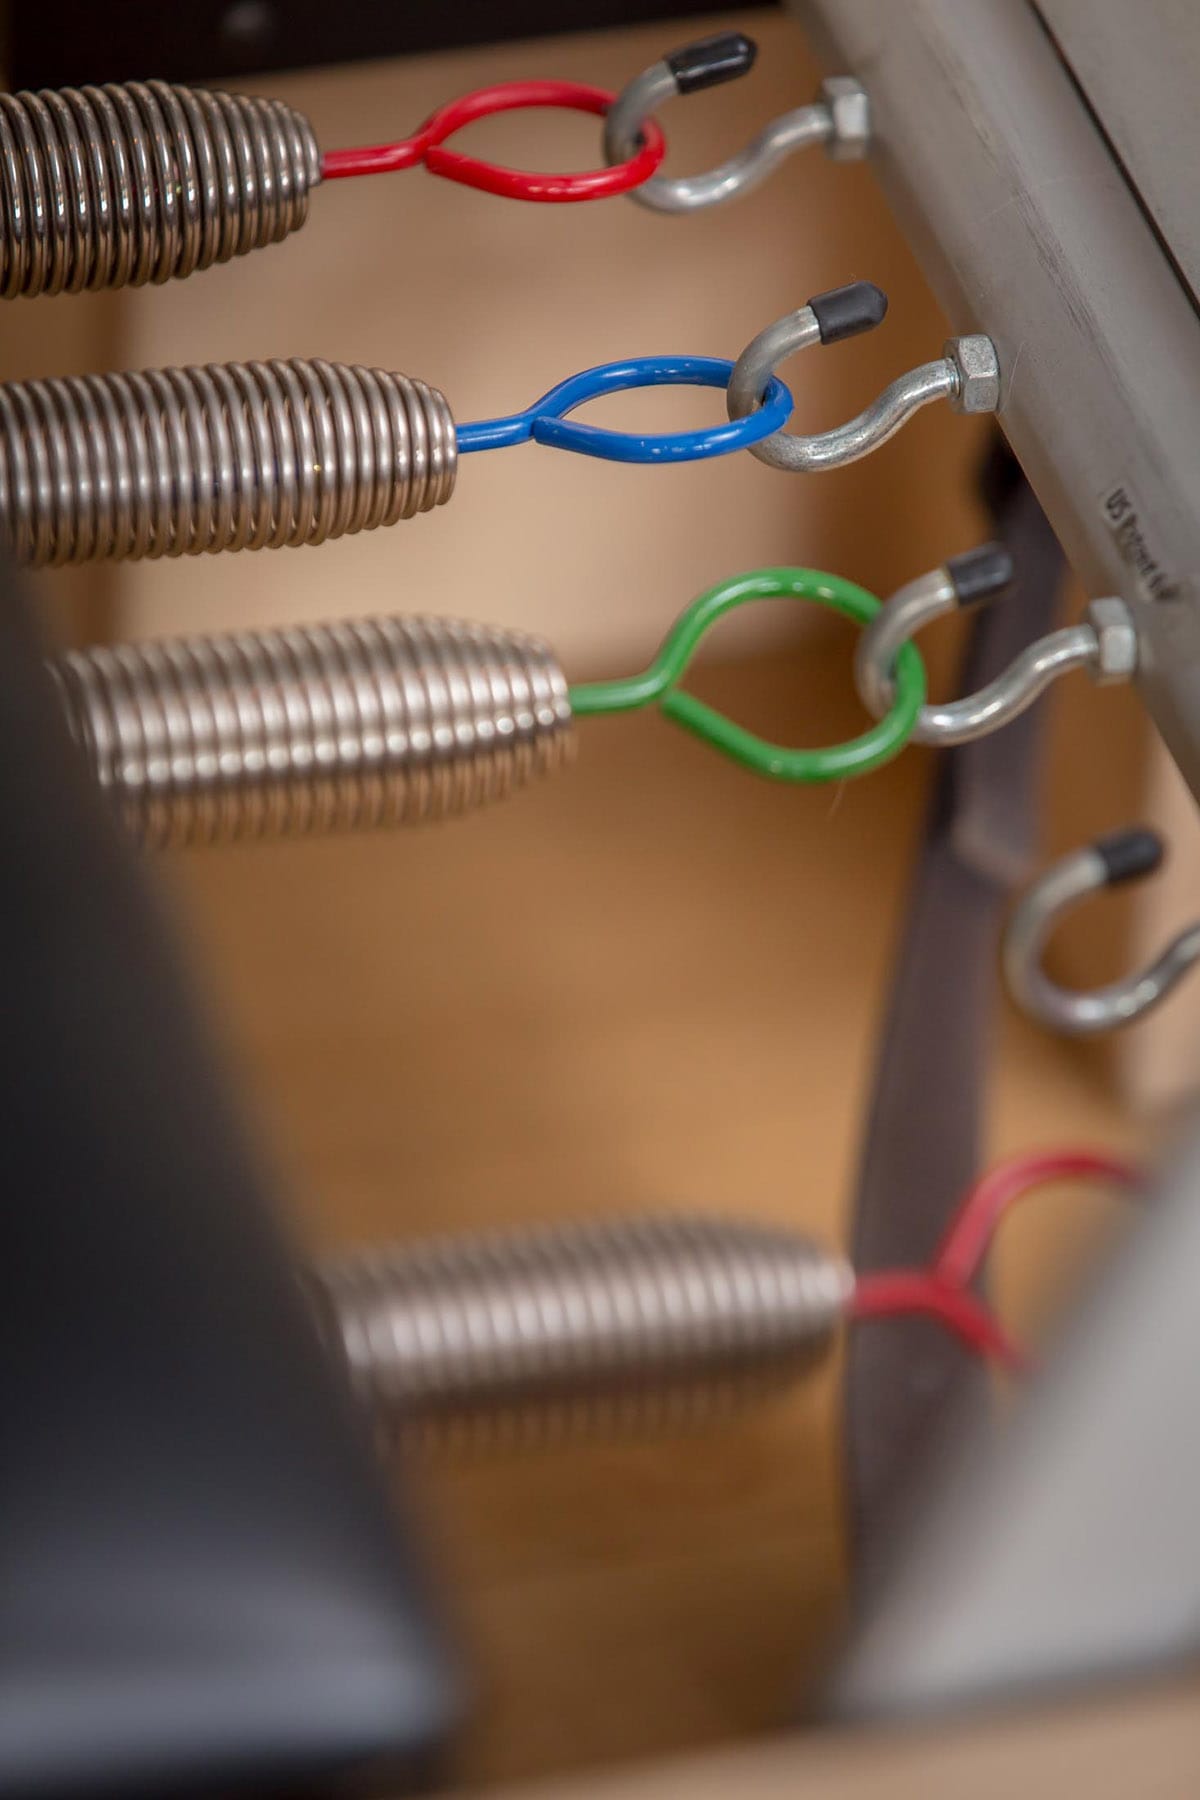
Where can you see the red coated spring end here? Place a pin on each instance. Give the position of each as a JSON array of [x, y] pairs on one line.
[[428, 146]]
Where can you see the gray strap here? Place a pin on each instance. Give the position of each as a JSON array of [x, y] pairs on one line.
[[922, 1144]]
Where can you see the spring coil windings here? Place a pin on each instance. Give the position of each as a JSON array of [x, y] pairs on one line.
[[134, 182], [231, 456], [317, 728], [615, 1320]]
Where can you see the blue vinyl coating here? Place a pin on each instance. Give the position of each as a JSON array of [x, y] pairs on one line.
[[546, 421]]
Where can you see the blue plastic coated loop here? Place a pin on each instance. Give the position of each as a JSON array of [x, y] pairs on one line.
[[546, 421]]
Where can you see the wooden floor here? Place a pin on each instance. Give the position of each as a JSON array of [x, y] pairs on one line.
[[654, 982]]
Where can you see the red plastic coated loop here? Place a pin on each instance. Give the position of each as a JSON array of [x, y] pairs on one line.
[[427, 146], [943, 1290], [969, 1235], [903, 1292]]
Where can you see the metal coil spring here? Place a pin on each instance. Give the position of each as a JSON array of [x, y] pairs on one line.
[[551, 1324], [314, 729], [231, 456], [141, 181]]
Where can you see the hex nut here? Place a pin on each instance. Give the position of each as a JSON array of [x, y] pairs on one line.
[[850, 111], [978, 368], [1116, 639]]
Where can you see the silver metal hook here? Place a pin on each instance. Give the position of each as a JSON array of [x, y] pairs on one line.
[[1104, 643], [1123, 856], [967, 374], [839, 118]]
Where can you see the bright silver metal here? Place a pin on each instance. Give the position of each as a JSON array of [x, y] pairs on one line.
[[320, 728], [1105, 646], [839, 118], [967, 375], [106, 187], [560, 1322], [1083, 1014], [231, 456]]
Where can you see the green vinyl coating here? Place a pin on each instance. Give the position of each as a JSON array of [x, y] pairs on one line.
[[659, 683]]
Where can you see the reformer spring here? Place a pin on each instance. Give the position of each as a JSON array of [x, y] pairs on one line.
[[245, 456], [391, 721], [233, 456], [143, 181], [639, 1321], [174, 462], [376, 721]]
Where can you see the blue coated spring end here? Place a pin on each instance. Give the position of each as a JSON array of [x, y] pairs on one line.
[[546, 421]]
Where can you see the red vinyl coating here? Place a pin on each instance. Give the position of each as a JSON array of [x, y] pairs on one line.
[[943, 1291], [427, 145]]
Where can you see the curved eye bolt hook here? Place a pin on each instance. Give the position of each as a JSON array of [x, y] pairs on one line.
[[1104, 643], [839, 118], [967, 374], [1109, 862]]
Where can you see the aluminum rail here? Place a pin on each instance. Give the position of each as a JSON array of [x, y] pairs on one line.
[[1028, 230]]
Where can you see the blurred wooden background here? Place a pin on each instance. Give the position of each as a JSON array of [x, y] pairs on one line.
[[656, 982]]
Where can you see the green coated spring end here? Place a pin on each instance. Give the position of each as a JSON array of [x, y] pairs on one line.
[[659, 684]]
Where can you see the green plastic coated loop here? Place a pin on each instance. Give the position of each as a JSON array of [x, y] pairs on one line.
[[659, 683]]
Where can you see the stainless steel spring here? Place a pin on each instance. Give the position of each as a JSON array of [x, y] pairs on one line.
[[554, 1325], [140, 181], [317, 728], [231, 456]]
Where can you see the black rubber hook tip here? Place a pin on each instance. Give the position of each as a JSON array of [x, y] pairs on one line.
[[1129, 854], [844, 312], [981, 574], [712, 60]]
